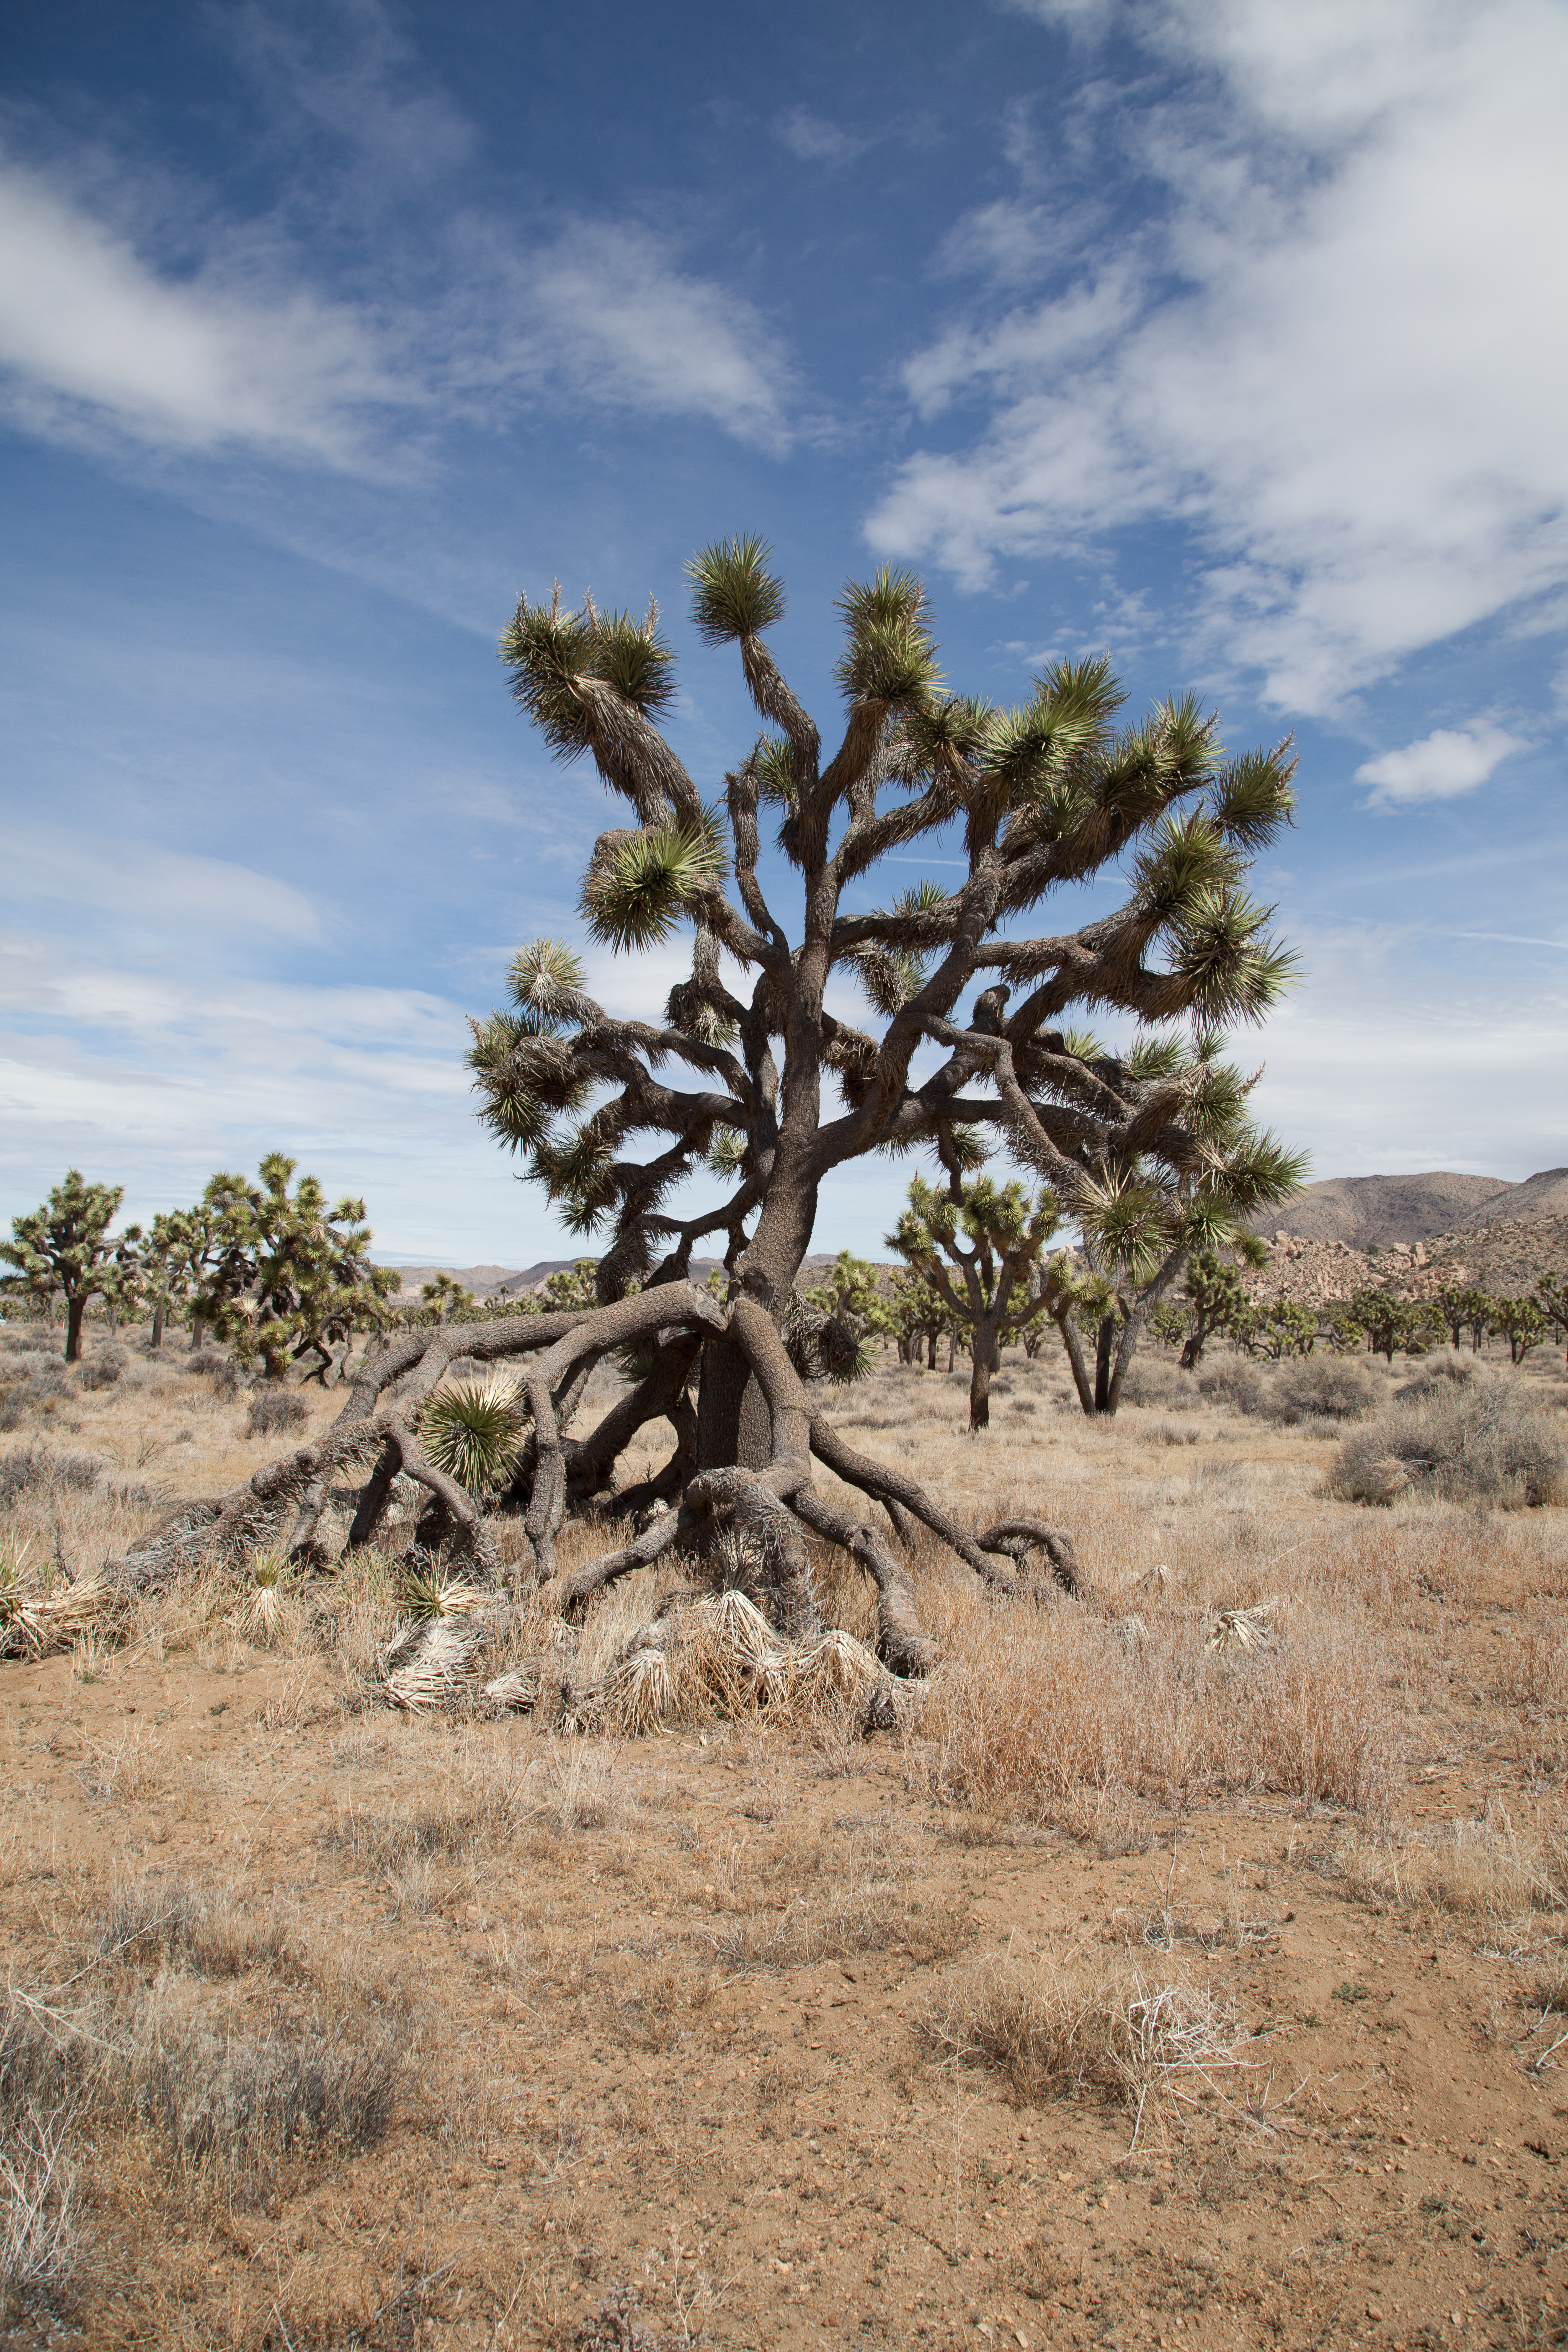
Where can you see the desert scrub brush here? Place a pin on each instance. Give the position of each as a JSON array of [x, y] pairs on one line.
[[262, 1611]]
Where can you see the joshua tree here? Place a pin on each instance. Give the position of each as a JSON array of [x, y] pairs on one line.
[[574, 1286], [64, 1245], [992, 1236], [445, 1295], [288, 1276], [913, 1316], [1522, 1322], [1391, 1322], [731, 1081], [1216, 1295], [1153, 1207], [1551, 1297]]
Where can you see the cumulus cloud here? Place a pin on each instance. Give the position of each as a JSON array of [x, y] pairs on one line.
[[1441, 766], [1332, 348]]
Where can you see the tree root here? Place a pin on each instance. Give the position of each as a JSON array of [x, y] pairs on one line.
[[770, 1509], [1016, 1538]]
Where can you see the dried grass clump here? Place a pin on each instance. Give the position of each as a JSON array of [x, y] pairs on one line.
[[1152, 1381], [1027, 1711], [39, 2243], [100, 1371], [1463, 1440], [234, 2100], [1235, 1381], [861, 1914], [274, 1412], [1092, 2027], [154, 1920], [231, 2093], [1488, 1870]]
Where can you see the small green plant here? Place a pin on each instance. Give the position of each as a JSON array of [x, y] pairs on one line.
[[474, 1430], [1351, 1992]]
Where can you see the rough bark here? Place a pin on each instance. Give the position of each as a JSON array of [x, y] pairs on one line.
[[769, 1503]]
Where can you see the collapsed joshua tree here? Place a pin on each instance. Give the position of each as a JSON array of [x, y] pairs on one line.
[[965, 1028]]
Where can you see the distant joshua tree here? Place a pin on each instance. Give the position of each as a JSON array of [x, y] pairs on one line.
[[65, 1247], [967, 998], [976, 1244]]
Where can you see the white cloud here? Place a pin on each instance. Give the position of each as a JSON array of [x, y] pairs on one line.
[[149, 888], [1439, 767], [90, 330], [1391, 1059], [153, 1079], [1337, 356], [813, 140], [609, 310], [242, 352]]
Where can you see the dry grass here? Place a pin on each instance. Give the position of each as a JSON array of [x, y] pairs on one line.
[[872, 1912], [1482, 1436], [670, 1979], [155, 2031], [40, 2242], [1092, 2026], [1030, 1709], [1491, 1871]]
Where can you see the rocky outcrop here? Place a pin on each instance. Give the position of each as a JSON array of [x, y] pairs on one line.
[[1508, 1258]]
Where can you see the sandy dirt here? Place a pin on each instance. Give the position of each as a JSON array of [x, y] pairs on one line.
[[677, 2033]]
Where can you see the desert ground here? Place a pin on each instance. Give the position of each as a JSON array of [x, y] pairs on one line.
[[1164, 1976]]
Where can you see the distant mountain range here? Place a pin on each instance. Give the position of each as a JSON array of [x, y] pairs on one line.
[[516, 1282], [1375, 1213], [1364, 1213]]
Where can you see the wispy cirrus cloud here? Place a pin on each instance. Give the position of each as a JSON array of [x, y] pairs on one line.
[[1331, 348], [138, 314], [141, 887], [91, 332], [813, 139]]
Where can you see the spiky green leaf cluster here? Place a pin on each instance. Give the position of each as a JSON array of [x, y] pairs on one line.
[[733, 593], [889, 656], [475, 1431], [635, 895], [552, 656]]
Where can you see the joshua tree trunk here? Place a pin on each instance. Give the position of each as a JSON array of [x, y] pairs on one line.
[[75, 1309], [157, 1338], [986, 1358]]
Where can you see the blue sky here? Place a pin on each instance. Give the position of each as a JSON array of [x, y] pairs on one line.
[[1227, 333]]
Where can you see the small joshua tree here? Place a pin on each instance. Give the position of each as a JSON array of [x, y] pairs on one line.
[[1216, 1295], [65, 1246], [991, 1237], [446, 1296], [914, 1316], [1153, 1208], [968, 993], [1522, 1322]]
